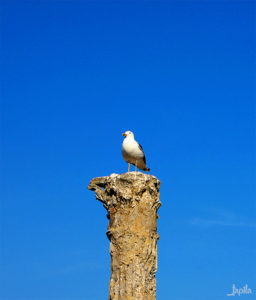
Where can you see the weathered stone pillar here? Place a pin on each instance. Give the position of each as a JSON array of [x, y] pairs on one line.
[[132, 201]]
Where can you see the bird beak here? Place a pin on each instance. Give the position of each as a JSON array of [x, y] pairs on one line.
[[124, 134]]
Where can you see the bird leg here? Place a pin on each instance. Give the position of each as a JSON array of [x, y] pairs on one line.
[[129, 166], [136, 166]]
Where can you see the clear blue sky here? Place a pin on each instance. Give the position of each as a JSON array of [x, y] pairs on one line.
[[74, 76]]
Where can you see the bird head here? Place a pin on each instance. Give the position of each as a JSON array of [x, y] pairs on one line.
[[128, 134]]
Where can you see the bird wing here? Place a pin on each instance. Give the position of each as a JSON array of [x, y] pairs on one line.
[[144, 158]]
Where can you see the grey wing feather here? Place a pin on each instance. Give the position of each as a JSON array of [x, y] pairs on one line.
[[144, 158], [141, 148]]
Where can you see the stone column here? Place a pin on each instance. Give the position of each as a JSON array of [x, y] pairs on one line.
[[132, 201]]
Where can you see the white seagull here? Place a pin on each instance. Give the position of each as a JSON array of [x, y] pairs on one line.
[[133, 152]]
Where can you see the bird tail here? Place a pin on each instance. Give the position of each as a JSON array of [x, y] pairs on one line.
[[146, 169]]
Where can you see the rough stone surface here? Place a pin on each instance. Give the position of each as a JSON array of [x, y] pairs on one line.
[[132, 201]]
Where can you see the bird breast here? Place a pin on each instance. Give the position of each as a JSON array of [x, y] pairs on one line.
[[131, 148]]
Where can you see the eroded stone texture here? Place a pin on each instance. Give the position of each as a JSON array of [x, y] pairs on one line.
[[132, 201]]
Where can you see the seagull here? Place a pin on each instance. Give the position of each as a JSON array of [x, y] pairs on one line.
[[133, 152]]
